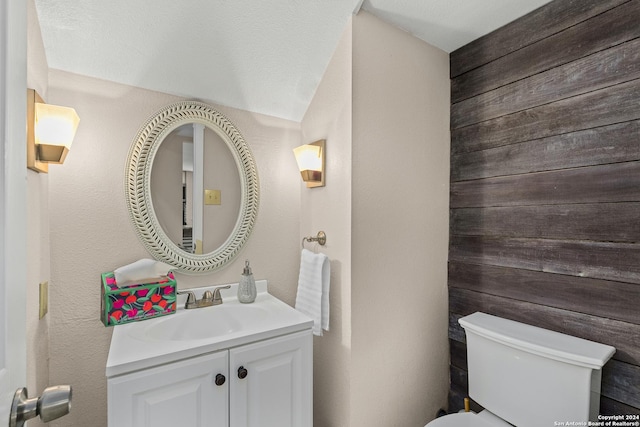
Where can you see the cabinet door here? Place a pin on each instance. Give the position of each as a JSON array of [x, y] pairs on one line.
[[277, 389], [181, 394]]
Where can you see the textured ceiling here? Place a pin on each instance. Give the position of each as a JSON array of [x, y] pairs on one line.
[[450, 24], [262, 56]]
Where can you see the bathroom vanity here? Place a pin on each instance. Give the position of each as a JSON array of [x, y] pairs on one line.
[[238, 365], [233, 364]]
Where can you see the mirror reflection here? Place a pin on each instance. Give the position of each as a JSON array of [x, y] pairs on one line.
[[195, 188]]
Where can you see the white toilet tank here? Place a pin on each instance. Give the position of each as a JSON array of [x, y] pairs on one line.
[[532, 377]]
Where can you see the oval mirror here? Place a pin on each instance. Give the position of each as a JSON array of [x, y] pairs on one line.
[[192, 187], [194, 160]]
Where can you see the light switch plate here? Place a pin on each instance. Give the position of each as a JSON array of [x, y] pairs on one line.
[[44, 299], [212, 197]]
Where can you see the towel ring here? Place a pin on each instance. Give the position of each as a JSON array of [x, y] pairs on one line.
[[321, 238]]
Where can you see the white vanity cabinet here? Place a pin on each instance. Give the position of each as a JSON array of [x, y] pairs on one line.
[[231, 365], [182, 393], [271, 383], [262, 384]]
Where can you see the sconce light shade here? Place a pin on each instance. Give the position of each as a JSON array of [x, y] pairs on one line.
[[50, 132], [311, 162]]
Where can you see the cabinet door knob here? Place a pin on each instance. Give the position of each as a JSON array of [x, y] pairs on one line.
[[242, 372], [220, 379]]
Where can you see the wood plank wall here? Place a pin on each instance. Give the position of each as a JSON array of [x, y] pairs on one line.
[[545, 183]]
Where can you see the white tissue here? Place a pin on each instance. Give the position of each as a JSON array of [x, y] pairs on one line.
[[141, 272]]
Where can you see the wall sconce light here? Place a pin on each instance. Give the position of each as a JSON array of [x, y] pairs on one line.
[[50, 132], [310, 158]]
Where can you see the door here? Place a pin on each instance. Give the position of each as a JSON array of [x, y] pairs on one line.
[[13, 52], [15, 408], [271, 382], [190, 393]]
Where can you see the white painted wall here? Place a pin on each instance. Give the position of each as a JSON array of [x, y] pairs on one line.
[[91, 232], [400, 217], [383, 107], [329, 209]]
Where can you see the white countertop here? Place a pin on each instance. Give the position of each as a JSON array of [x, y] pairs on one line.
[[133, 347]]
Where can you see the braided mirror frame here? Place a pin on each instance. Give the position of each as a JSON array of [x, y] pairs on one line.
[[138, 186]]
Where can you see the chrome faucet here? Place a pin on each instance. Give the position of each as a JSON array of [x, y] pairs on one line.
[[208, 298]]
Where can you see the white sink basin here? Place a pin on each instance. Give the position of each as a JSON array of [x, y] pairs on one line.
[[202, 323], [189, 333]]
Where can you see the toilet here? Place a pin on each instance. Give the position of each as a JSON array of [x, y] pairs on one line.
[[527, 376]]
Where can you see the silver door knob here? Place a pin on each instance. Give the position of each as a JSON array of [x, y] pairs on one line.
[[54, 403]]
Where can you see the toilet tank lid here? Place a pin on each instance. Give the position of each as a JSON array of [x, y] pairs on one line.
[[535, 340]]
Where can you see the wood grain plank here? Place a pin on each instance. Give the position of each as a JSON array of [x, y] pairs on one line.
[[621, 381], [455, 330], [453, 400], [613, 407], [619, 182], [615, 104], [569, 45], [459, 390], [607, 144], [458, 354], [456, 398], [609, 222], [541, 23], [458, 377], [615, 300], [612, 66], [621, 335], [599, 260]]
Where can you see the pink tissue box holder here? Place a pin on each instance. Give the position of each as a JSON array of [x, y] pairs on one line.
[[136, 302]]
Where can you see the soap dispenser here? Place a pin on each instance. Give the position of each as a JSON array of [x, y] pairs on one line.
[[247, 288]]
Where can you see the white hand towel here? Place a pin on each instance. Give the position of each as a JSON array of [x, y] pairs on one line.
[[313, 289], [141, 272]]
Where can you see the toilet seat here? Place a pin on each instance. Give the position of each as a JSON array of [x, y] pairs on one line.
[[468, 419]]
